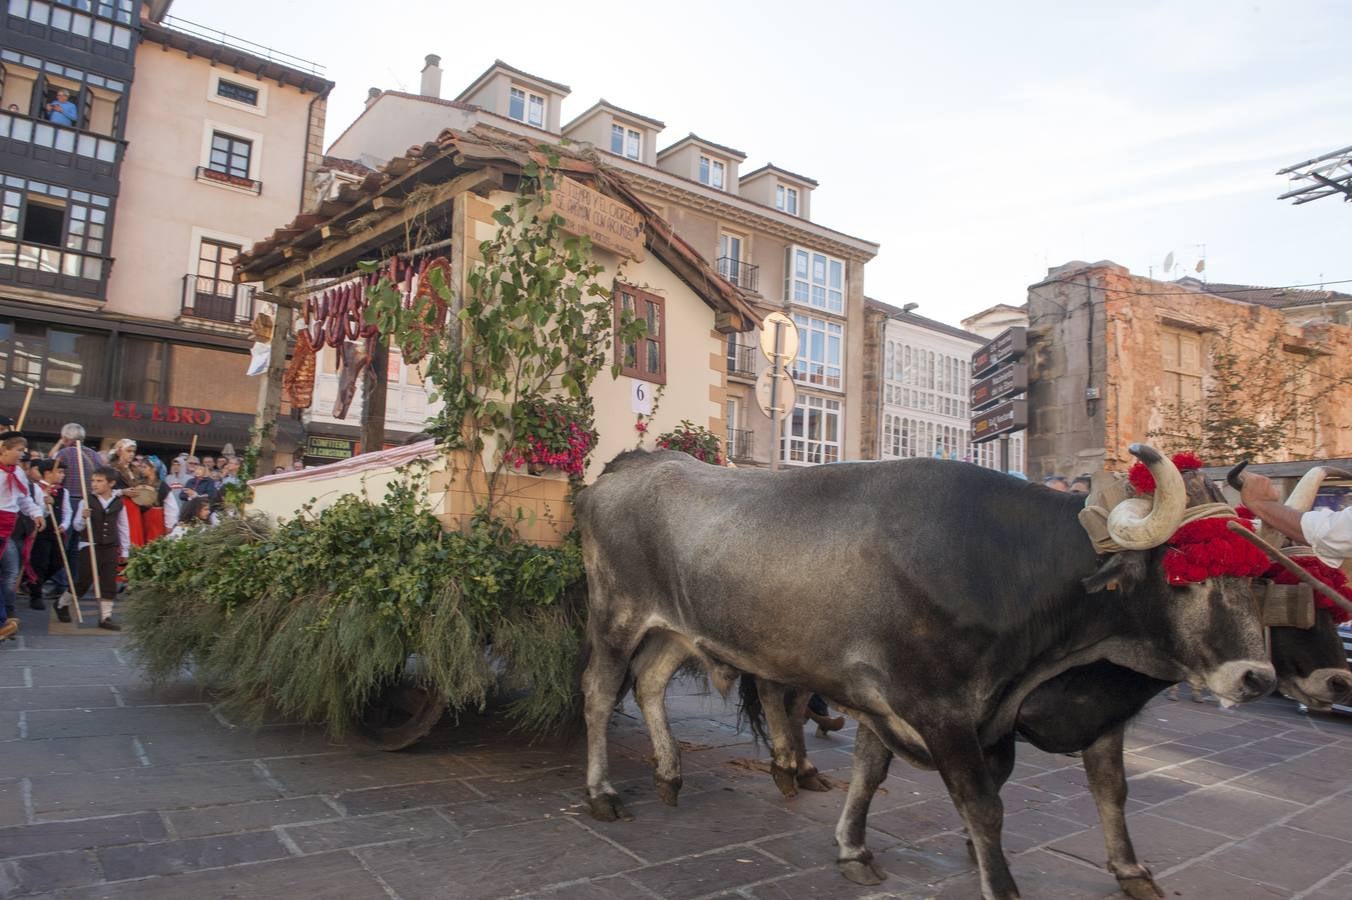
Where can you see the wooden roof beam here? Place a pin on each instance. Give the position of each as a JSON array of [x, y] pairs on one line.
[[337, 253]]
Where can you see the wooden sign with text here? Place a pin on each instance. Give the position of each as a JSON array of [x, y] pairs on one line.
[[609, 223]]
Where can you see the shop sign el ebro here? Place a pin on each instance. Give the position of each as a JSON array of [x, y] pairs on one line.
[[130, 409]]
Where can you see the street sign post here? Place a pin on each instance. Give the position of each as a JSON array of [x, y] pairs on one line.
[[999, 382], [1002, 383], [774, 389]]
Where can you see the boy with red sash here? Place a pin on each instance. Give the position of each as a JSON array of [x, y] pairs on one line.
[[15, 499]]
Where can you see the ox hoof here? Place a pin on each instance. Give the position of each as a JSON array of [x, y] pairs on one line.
[[668, 789], [1140, 886], [813, 781], [608, 808], [862, 871], [785, 779]]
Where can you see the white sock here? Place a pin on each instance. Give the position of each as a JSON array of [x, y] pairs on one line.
[[63, 601], [105, 609]]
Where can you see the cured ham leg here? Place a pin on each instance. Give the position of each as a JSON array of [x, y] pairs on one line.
[[353, 359], [299, 380]]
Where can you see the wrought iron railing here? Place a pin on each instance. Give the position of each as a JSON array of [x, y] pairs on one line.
[[217, 301], [740, 273], [742, 361], [740, 443]]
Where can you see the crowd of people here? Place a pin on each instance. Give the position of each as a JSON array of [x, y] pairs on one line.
[[56, 529]]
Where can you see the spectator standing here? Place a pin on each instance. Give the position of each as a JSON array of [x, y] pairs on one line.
[[200, 484], [15, 500], [1056, 483], [1082, 484], [65, 454], [61, 111]]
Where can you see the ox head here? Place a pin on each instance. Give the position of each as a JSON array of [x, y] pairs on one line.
[[1204, 629], [1311, 662]]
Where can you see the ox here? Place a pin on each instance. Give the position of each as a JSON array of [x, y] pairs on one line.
[[1084, 709], [928, 598]]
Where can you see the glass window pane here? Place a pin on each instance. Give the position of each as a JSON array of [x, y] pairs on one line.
[[93, 268], [141, 370], [537, 110], [800, 264], [616, 139], [516, 107]]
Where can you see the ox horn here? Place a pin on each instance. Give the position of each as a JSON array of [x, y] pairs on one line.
[[1301, 498], [1138, 523]]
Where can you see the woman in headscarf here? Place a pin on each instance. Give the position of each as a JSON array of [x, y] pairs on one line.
[[156, 503]]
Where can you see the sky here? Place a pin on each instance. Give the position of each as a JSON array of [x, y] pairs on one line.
[[978, 143]]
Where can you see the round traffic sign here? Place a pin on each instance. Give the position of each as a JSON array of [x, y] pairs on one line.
[[788, 394], [790, 337]]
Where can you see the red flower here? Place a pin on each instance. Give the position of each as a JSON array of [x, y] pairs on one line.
[[1144, 483], [640, 427]]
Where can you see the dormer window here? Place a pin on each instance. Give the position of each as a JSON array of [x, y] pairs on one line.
[[712, 172], [625, 142], [527, 107], [786, 199]]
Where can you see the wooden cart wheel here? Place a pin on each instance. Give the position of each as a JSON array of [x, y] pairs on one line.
[[399, 717]]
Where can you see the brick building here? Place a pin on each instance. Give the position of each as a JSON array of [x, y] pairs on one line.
[[1113, 356]]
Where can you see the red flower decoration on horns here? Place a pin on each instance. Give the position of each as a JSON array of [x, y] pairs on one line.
[[1144, 482], [1206, 548]]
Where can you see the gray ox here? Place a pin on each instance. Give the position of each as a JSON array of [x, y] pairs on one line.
[[927, 598]]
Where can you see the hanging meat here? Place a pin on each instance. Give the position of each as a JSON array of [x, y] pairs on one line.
[[425, 295], [299, 380], [353, 358]]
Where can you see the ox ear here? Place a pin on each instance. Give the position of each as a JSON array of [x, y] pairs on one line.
[[1122, 572]]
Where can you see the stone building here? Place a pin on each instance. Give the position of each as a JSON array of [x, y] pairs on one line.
[[755, 227], [1113, 357], [924, 384], [122, 211], [994, 319]]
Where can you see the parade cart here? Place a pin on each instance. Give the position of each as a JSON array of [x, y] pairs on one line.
[[405, 710]]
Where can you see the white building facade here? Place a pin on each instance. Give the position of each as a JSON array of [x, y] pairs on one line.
[[926, 383]]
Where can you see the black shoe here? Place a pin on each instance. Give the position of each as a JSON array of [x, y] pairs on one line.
[[63, 613], [109, 624], [36, 603]]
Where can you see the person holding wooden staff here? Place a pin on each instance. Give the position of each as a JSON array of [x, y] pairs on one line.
[[45, 559], [16, 499], [103, 520], [1327, 532]]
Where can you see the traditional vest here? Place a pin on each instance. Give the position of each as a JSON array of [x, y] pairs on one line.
[[103, 523]]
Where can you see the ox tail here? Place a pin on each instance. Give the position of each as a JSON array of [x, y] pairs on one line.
[[749, 709]]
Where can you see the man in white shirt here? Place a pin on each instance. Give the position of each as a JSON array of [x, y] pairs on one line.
[[1326, 531], [16, 499]]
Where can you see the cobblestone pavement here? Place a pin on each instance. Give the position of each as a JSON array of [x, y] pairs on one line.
[[109, 788]]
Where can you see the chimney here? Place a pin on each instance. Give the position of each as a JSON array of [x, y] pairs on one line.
[[371, 95], [431, 76]]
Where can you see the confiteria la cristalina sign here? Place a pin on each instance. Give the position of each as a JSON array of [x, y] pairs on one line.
[[609, 223]]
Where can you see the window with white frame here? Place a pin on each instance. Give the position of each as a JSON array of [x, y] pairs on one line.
[[786, 199], [712, 172], [813, 431], [820, 349], [526, 106], [816, 279], [230, 155], [626, 142]]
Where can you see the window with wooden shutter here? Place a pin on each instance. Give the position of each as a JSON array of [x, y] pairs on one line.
[[646, 357], [1182, 362]]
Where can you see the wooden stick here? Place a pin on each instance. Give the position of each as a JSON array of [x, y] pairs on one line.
[[84, 495], [192, 451], [1286, 563], [23, 413], [65, 563]]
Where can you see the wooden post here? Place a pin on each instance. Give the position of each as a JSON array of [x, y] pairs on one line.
[[270, 392], [375, 385], [192, 450], [65, 564], [84, 495], [23, 413]]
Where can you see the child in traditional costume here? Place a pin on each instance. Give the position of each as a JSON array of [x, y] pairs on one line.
[[15, 500], [44, 557], [104, 522]]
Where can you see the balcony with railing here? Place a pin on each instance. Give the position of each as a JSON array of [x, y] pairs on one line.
[[56, 269], [742, 361], [740, 273], [217, 301], [740, 444], [67, 148]]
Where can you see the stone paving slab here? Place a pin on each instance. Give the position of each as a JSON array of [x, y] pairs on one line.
[[116, 788]]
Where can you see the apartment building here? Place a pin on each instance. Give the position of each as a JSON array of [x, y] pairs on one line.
[[755, 225], [139, 154], [925, 368]]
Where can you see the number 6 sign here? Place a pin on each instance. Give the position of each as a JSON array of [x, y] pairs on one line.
[[640, 397]]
